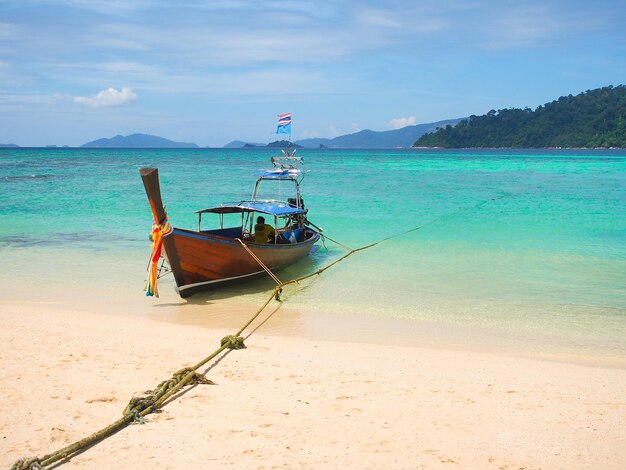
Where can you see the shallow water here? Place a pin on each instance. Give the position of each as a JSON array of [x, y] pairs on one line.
[[525, 244]]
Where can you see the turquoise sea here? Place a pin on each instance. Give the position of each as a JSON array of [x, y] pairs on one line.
[[520, 250]]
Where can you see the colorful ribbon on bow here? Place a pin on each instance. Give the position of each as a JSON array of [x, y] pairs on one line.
[[159, 231]]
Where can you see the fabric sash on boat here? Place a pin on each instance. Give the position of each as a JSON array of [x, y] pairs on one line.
[[159, 231]]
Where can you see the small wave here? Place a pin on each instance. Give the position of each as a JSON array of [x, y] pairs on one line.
[[27, 177], [91, 238]]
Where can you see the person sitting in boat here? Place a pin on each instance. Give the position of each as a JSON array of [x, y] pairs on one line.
[[263, 233]]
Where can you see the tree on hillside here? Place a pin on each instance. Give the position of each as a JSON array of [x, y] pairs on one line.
[[595, 118]]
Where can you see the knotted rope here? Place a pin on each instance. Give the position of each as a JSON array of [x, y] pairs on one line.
[[27, 464], [138, 404], [159, 231], [233, 342]]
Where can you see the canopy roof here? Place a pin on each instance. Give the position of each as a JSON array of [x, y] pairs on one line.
[[275, 208], [281, 174]]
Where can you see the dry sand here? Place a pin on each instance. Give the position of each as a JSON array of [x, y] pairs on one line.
[[293, 403]]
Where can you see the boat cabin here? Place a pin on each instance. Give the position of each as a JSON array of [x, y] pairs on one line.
[[276, 197]]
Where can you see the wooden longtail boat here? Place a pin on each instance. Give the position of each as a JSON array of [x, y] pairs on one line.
[[204, 259]]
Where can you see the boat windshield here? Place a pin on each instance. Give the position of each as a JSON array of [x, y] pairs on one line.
[[279, 189]]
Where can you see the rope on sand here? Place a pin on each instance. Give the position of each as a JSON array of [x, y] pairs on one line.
[[152, 400]]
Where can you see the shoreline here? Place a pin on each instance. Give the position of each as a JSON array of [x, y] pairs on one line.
[[223, 311], [226, 313], [383, 331], [574, 333], [294, 402]]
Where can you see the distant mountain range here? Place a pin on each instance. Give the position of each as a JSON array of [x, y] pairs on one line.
[[595, 118], [404, 137], [143, 141], [398, 138]]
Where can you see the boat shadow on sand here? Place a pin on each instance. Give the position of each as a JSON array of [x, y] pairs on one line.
[[232, 306]]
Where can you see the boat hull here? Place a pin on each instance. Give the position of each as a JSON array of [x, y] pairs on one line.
[[202, 261]]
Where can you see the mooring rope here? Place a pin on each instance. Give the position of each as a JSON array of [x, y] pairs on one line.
[[138, 407], [335, 241], [256, 258], [426, 224]]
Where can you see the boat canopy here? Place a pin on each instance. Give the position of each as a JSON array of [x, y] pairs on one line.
[[281, 174], [278, 209]]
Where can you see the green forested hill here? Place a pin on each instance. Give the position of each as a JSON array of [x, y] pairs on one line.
[[596, 118]]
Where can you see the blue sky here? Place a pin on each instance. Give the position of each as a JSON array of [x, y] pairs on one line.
[[210, 72]]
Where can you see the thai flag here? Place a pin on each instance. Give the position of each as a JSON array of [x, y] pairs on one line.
[[284, 119], [284, 124]]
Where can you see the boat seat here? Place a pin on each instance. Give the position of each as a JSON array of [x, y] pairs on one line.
[[293, 236]]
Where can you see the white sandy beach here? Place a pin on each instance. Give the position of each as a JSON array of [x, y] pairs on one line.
[[293, 403]]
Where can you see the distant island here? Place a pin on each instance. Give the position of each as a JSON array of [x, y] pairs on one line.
[[237, 144], [8, 146], [248, 145], [593, 119], [282, 144], [141, 141]]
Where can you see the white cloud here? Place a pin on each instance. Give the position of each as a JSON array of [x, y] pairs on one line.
[[7, 30], [127, 67], [218, 43], [523, 27], [104, 6], [398, 123], [108, 97], [11, 80], [377, 17]]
